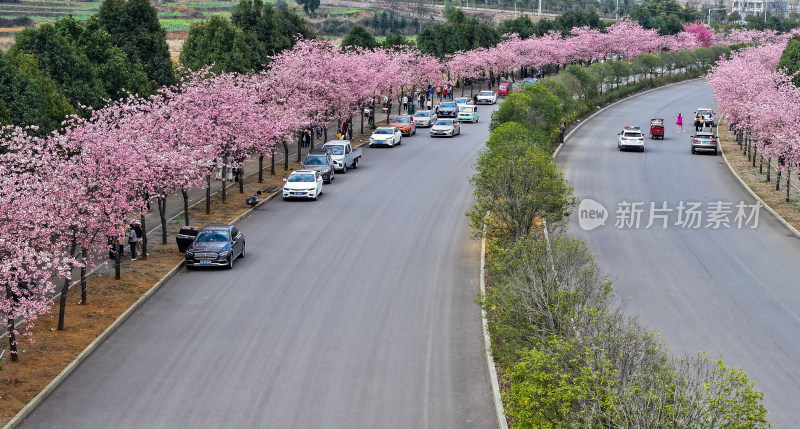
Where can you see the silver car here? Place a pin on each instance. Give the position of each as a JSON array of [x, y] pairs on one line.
[[704, 140], [445, 128], [425, 118]]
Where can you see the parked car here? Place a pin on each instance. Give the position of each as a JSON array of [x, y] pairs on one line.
[[530, 80], [385, 136], [487, 97], [445, 128], [631, 138], [447, 109], [425, 118], [320, 160], [404, 123], [343, 154], [503, 88], [468, 114], [704, 140], [304, 184], [215, 245]]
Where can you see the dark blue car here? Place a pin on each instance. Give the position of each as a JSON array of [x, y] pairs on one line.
[[447, 109], [215, 246]]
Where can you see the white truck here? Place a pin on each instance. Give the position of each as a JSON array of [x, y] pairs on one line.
[[343, 154]]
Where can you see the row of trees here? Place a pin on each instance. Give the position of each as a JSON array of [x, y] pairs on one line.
[[106, 165], [570, 355], [757, 89]]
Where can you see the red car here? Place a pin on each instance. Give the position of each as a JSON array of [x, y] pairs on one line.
[[502, 89]]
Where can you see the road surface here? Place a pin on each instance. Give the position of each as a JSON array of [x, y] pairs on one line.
[[732, 292], [354, 311]]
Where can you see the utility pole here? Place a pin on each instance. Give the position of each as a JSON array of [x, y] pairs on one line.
[[617, 12], [540, 7]]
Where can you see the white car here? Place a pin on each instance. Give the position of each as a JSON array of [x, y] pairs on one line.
[[425, 118], [631, 138], [305, 184], [707, 115], [445, 128], [385, 136], [463, 101], [487, 97]]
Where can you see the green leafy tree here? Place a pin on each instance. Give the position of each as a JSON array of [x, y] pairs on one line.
[[64, 62], [519, 184], [458, 33], [133, 26], [396, 40], [359, 36], [220, 43], [666, 16], [569, 20], [309, 6], [83, 62], [268, 31], [521, 26], [29, 97], [790, 59], [648, 64], [587, 81]]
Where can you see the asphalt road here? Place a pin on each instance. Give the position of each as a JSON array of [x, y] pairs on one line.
[[354, 311], [732, 292]]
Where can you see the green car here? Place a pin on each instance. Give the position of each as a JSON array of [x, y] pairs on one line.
[[468, 114]]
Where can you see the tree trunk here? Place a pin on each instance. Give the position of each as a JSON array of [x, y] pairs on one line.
[[361, 113], [272, 163], [185, 206], [12, 337], [84, 258], [299, 145], [118, 258], [62, 306], [208, 195], [240, 175], [778, 181], [261, 168], [755, 153], [285, 156], [761, 165], [162, 212], [224, 183], [769, 168], [788, 187], [143, 256]]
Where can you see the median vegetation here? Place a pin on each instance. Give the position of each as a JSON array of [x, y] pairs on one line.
[[569, 354]]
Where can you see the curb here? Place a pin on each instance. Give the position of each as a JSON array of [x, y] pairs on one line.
[[502, 423], [757, 198], [44, 393], [558, 149]]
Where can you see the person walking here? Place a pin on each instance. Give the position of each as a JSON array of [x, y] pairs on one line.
[[345, 126], [562, 130], [696, 122], [133, 241], [350, 130], [405, 103], [679, 123]]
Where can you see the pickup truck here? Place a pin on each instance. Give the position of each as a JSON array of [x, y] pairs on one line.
[[343, 154]]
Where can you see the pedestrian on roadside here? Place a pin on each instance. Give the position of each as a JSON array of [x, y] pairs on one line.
[[254, 199], [137, 227], [562, 130], [345, 126], [133, 241], [350, 130], [439, 92], [696, 122], [405, 103], [679, 123]]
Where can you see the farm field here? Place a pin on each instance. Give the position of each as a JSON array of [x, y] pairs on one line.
[[175, 16]]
